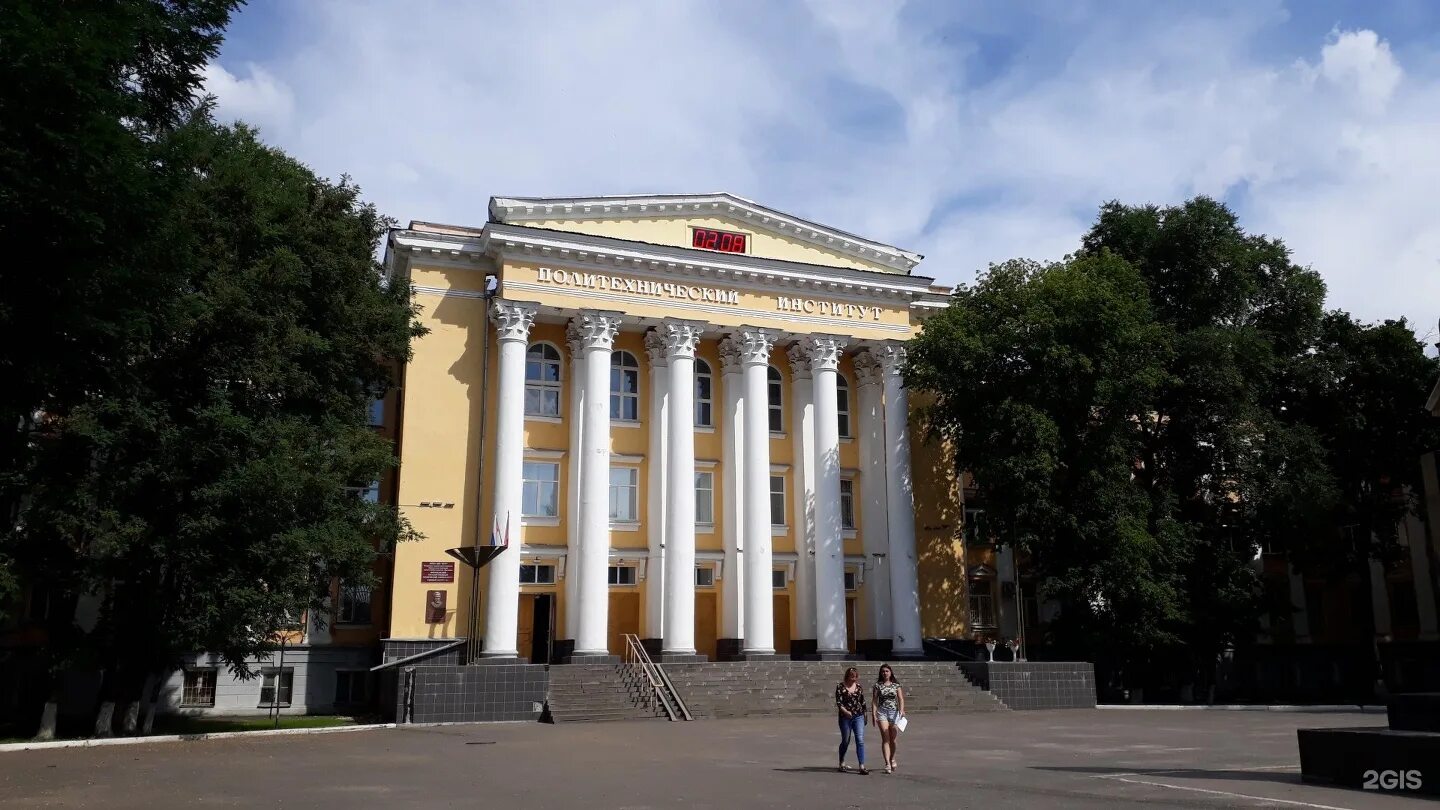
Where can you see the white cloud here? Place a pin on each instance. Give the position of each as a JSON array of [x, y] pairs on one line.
[[880, 120]]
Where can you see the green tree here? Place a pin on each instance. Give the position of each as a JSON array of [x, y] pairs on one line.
[[212, 500]]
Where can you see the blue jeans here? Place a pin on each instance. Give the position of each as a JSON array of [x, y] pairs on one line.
[[853, 725]]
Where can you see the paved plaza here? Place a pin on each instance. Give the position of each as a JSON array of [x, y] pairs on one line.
[[1056, 759]]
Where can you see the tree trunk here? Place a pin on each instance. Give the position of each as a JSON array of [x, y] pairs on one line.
[[105, 715], [50, 715], [133, 686], [152, 699]]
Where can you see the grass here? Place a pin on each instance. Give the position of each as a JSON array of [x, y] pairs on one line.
[[176, 724]]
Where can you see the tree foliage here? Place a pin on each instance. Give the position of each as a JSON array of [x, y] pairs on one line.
[[1147, 414]]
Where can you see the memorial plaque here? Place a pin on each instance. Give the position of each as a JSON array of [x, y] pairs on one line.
[[437, 572], [435, 607]]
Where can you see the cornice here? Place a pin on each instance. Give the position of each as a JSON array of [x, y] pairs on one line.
[[515, 210]]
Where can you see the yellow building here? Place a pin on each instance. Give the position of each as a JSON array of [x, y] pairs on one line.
[[683, 416]]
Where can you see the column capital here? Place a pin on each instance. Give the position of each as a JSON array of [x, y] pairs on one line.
[[596, 329], [730, 356], [892, 358], [655, 348], [799, 361], [824, 351], [681, 337], [868, 370], [754, 344], [513, 319]]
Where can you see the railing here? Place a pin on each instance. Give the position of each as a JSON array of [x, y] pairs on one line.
[[659, 682]]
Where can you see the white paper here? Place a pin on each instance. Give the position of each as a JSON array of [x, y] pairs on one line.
[[902, 723]]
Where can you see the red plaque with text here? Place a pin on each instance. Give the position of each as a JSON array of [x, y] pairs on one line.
[[437, 572]]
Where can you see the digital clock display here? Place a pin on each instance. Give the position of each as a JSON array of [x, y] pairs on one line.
[[723, 241]]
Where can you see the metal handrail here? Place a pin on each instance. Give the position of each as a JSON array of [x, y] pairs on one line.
[[660, 684]]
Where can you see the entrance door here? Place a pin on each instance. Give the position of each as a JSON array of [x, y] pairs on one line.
[[850, 624], [705, 612], [542, 620], [525, 635], [782, 623], [624, 618]]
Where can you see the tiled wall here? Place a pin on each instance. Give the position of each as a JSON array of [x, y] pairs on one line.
[[395, 649], [469, 694], [1036, 685]]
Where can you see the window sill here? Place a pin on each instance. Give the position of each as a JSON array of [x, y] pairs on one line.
[[624, 423], [779, 531], [624, 526], [553, 420], [780, 435], [704, 428], [197, 705], [538, 520], [847, 439], [704, 528], [849, 534]]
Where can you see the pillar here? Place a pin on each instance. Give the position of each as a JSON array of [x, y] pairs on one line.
[[900, 508], [874, 532], [1380, 600], [824, 352], [755, 345], [802, 435], [1420, 574], [1300, 621], [681, 340], [732, 491], [575, 422], [655, 486], [502, 608], [597, 335]]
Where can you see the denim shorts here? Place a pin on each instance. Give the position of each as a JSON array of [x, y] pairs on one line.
[[888, 715]]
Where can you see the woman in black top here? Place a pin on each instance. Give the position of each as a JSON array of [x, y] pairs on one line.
[[850, 700]]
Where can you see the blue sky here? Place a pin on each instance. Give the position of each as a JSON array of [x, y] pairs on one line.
[[970, 132]]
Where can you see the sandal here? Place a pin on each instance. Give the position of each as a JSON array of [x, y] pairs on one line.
[[864, 771], [844, 768]]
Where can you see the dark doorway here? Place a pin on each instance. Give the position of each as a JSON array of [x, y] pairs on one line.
[[544, 619]]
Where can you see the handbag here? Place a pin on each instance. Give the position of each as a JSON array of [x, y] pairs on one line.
[[902, 722]]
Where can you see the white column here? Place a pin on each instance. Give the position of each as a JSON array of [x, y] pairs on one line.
[[1257, 564], [802, 434], [900, 507], [1300, 618], [732, 491], [502, 608], [597, 333], [681, 340], [1379, 600], [655, 485], [755, 345], [830, 638], [874, 531], [1420, 573], [572, 484]]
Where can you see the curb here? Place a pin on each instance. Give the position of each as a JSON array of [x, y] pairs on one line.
[[1170, 707], [161, 738]]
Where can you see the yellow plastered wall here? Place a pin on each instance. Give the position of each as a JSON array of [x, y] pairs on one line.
[[939, 518], [676, 232]]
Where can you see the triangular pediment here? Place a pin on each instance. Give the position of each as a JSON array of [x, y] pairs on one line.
[[674, 219]]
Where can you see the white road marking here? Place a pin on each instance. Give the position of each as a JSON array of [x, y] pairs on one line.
[[1227, 793]]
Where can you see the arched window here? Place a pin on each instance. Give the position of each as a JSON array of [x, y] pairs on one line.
[[624, 387], [776, 386], [842, 404], [704, 394], [542, 380]]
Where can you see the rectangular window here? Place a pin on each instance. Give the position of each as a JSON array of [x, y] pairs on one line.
[[975, 534], [199, 688], [704, 399], [276, 686], [354, 604], [368, 494], [705, 498], [982, 603], [852, 582], [704, 577], [622, 575], [540, 489], [775, 391], [847, 504], [351, 688], [777, 500], [624, 494], [537, 574], [777, 578], [37, 605], [377, 411]]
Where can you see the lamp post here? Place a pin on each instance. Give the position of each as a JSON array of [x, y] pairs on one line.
[[476, 557]]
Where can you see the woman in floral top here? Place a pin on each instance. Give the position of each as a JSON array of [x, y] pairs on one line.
[[850, 700], [889, 708]]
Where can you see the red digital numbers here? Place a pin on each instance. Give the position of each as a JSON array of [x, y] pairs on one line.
[[723, 241]]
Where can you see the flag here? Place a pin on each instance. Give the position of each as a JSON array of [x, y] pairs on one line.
[[498, 538]]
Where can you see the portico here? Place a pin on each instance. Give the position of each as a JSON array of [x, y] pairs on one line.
[[708, 449]]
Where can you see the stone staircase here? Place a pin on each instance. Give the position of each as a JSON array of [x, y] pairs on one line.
[[751, 688], [585, 692]]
